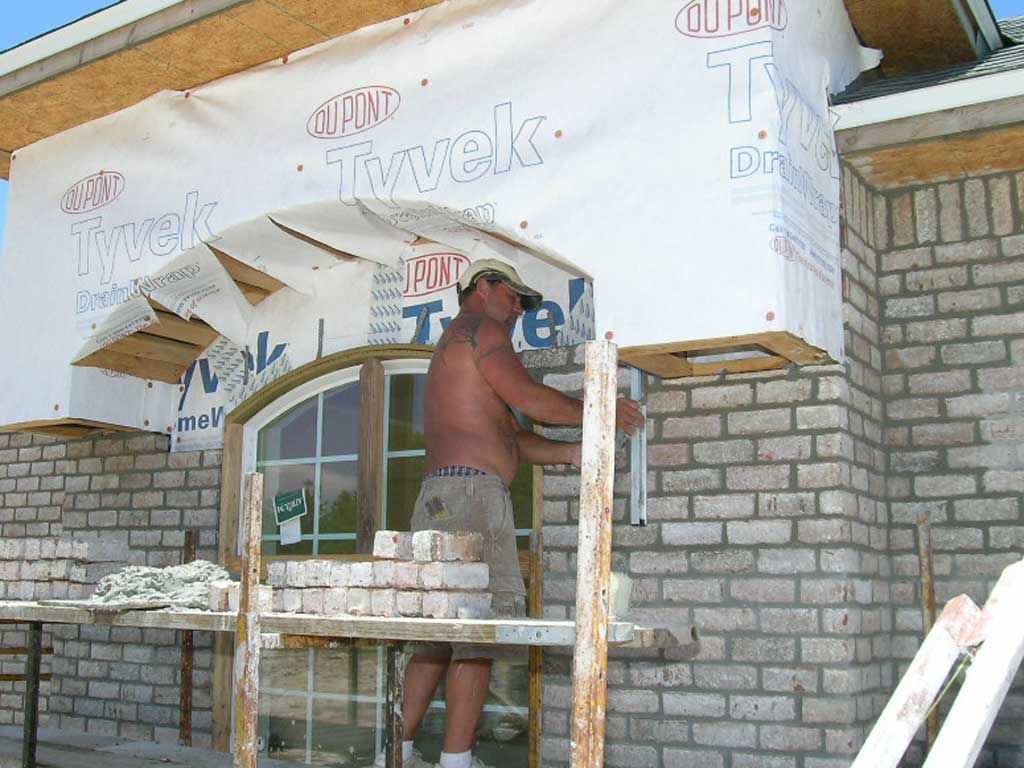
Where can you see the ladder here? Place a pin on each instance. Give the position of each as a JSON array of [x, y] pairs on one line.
[[994, 637]]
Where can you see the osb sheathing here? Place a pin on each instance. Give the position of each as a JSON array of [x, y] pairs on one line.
[[946, 158], [914, 35], [218, 45]]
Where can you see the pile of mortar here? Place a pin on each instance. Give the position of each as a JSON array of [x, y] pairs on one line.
[[179, 586]]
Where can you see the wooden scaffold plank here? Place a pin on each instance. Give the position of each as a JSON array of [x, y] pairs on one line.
[[590, 658]]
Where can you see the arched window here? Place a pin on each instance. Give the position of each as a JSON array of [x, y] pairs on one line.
[[351, 441]]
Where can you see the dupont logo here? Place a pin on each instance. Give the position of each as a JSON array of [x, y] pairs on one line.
[[721, 18], [353, 112], [92, 192], [785, 247], [433, 272]]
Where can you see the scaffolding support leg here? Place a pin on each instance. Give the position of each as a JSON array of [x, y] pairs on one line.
[[395, 700], [31, 725], [247, 632], [590, 658]]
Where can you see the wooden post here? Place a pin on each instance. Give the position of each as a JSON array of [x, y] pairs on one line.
[[917, 689], [590, 658], [371, 444], [924, 557], [31, 724], [394, 702], [187, 661], [988, 679], [247, 632]]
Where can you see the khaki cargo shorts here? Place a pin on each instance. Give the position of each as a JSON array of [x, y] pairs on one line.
[[479, 504]]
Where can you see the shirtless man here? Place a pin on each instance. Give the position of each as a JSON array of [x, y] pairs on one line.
[[474, 445]]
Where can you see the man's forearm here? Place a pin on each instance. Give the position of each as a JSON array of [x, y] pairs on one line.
[[535, 449], [549, 406]]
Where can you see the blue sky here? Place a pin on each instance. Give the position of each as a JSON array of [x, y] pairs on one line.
[[25, 19]]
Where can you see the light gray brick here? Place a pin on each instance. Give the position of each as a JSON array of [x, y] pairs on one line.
[[722, 561], [785, 738], [692, 427], [821, 417], [688, 534], [729, 506], [902, 217], [767, 708], [693, 704], [783, 391], [768, 477], [759, 531], [691, 758], [998, 325], [976, 207], [723, 452], [657, 562], [725, 734], [691, 480], [788, 621], [722, 396], [786, 561], [944, 485], [789, 448], [725, 619], [762, 590], [693, 590], [950, 225]]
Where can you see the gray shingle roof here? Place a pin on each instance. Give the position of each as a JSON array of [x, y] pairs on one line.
[[1004, 60]]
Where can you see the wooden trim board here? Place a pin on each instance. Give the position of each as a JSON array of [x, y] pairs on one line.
[[770, 350]]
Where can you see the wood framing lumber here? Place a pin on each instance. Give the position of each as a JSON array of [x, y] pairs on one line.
[[988, 678], [187, 659], [369, 498], [247, 634], [31, 704], [909, 704], [193, 331], [924, 559], [590, 658]]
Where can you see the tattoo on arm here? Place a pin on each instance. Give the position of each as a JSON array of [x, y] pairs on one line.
[[508, 438], [465, 332]]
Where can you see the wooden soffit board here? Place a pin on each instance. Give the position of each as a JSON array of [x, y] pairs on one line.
[[186, 56], [941, 159], [914, 35]]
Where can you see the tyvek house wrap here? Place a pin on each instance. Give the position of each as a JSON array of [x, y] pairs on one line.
[[665, 171]]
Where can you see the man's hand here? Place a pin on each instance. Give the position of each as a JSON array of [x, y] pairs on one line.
[[627, 416]]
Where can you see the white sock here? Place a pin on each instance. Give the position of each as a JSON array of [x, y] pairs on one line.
[[406, 750], [456, 759]]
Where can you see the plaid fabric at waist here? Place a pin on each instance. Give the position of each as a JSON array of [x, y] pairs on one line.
[[455, 471]]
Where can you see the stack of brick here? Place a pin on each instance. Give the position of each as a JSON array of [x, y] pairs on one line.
[[429, 574], [56, 569], [224, 596]]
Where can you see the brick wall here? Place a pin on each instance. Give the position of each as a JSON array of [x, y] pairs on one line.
[[951, 282], [111, 680]]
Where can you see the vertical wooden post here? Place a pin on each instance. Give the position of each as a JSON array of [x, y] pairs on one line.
[[989, 678], [31, 724], [247, 632], [187, 660], [535, 610], [590, 658], [924, 557], [369, 499], [394, 702]]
